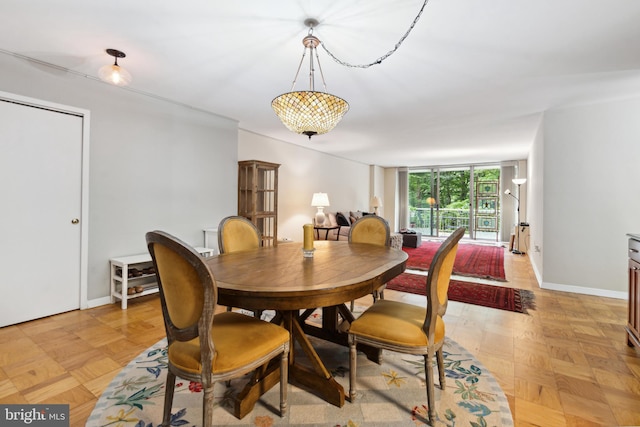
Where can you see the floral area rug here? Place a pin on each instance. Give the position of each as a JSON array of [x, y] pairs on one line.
[[482, 261], [500, 297], [390, 394]]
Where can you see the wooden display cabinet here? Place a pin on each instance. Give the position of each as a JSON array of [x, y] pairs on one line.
[[258, 197]]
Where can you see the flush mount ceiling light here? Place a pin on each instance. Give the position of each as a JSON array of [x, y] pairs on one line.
[[115, 74], [310, 112]]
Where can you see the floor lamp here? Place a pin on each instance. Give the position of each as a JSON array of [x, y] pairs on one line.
[[518, 182]]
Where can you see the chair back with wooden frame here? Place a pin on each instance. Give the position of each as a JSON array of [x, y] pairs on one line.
[[411, 329], [374, 230], [204, 347], [237, 233], [371, 229]]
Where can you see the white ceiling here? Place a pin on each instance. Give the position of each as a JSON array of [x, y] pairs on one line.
[[468, 84]]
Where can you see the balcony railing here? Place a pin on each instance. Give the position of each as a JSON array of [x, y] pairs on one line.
[[449, 220]]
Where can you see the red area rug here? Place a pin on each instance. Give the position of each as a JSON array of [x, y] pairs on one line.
[[482, 261], [501, 297]]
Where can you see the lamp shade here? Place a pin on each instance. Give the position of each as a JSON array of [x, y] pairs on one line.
[[320, 199], [519, 181], [115, 74], [309, 112], [376, 202]]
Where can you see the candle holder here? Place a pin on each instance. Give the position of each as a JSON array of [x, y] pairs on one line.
[[308, 253]]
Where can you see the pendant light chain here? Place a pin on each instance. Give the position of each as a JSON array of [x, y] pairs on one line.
[[385, 56]]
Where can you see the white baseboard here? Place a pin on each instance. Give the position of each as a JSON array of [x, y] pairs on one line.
[[584, 290], [536, 272], [98, 302], [576, 289]]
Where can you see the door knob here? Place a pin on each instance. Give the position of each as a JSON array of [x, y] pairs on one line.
[[75, 221]]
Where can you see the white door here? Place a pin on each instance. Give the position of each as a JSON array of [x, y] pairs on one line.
[[40, 206]]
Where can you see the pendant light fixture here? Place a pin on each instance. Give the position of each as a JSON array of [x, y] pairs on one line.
[[115, 74], [310, 112]]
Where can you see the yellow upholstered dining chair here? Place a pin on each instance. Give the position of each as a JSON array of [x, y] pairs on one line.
[[407, 328], [204, 347], [374, 230], [237, 233]]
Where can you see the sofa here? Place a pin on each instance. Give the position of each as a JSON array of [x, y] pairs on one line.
[[342, 232], [342, 221]]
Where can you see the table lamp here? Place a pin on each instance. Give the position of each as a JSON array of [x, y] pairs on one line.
[[376, 203], [320, 200]]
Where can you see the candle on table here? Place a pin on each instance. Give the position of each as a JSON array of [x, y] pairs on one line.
[[308, 237]]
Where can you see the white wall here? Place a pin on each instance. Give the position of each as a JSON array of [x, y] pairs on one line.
[[153, 164], [590, 163], [304, 171], [535, 199], [376, 188], [391, 198]]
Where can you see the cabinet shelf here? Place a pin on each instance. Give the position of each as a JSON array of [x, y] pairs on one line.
[[121, 282], [149, 288], [144, 276]]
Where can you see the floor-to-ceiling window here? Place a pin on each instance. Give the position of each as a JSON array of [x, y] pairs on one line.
[[423, 206], [441, 199], [486, 202]]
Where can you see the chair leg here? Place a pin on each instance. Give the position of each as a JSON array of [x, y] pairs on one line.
[[441, 376], [353, 305], [379, 293], [352, 368], [207, 406], [168, 398], [284, 384], [428, 369]]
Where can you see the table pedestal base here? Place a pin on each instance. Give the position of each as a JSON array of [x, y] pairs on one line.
[[316, 379], [262, 380], [334, 331]]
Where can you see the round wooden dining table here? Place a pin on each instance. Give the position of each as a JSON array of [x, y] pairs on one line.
[[279, 278]]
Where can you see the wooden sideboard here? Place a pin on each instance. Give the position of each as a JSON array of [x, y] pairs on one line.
[[633, 325]]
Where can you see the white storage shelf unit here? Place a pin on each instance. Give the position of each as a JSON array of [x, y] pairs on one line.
[[135, 272]]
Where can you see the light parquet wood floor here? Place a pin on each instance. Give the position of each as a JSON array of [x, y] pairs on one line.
[[565, 364]]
